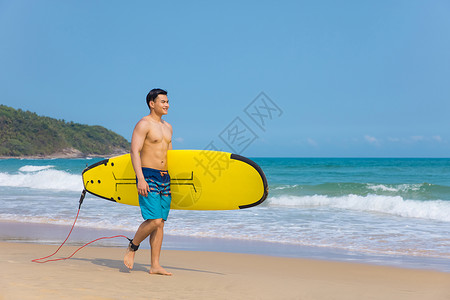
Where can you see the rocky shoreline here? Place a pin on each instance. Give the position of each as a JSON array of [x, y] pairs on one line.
[[68, 153]]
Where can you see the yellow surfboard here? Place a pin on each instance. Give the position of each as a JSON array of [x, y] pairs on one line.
[[200, 180]]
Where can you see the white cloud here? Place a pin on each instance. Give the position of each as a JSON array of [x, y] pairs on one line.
[[179, 139], [437, 138], [372, 140], [312, 142], [393, 139], [412, 139], [417, 138]]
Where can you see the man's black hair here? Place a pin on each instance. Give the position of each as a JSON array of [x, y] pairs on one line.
[[151, 96]]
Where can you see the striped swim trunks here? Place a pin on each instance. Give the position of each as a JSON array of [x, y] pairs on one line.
[[156, 204]]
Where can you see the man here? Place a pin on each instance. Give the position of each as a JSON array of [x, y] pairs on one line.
[[151, 139]]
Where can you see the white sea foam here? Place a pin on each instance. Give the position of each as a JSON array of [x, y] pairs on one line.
[[286, 187], [97, 224], [45, 179], [394, 205], [381, 187], [29, 168], [394, 188]]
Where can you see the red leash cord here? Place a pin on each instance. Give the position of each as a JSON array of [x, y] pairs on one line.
[[39, 260]]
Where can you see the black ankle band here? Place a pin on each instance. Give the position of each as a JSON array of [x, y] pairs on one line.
[[133, 247]]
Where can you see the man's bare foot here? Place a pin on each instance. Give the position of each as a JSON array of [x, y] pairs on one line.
[[128, 260], [159, 271]]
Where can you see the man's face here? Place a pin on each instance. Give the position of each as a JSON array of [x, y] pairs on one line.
[[160, 105]]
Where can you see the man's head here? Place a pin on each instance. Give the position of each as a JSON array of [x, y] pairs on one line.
[[153, 95]]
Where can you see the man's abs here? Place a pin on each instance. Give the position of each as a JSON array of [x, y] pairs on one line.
[[154, 158]]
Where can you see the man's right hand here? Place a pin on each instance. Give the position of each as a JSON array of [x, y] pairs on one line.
[[143, 188]]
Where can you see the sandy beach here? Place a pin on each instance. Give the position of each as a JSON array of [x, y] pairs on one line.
[[98, 273]]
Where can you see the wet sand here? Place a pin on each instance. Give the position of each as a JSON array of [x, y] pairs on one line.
[[99, 273]]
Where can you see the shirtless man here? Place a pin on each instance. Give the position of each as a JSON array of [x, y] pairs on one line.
[[151, 139]]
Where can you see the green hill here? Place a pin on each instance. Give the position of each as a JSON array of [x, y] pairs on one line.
[[24, 133]]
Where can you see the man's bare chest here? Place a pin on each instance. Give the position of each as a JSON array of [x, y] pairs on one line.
[[158, 134]]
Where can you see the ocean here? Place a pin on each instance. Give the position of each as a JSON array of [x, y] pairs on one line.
[[391, 211]]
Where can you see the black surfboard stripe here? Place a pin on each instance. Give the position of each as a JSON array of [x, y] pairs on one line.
[[261, 173]]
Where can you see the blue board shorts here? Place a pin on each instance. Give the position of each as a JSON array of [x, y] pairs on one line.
[[156, 204]]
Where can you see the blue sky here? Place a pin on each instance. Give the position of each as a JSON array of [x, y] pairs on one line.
[[339, 78]]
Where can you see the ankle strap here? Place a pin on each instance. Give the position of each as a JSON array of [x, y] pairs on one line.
[[133, 247]]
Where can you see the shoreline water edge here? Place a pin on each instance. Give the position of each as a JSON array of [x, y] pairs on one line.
[[54, 235]]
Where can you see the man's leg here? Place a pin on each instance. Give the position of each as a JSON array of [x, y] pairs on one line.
[[144, 230], [156, 238]]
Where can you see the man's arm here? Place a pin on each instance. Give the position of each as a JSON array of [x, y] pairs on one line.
[[137, 142]]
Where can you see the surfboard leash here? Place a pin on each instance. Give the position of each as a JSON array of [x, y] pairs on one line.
[[42, 259]]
